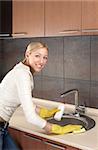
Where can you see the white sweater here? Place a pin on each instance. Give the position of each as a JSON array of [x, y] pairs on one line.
[[15, 90]]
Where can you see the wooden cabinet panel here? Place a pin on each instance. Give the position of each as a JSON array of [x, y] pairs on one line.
[[31, 142], [90, 16], [61, 16], [28, 18]]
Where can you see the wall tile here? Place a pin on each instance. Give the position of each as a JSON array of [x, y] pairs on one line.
[[82, 86], [52, 87], [77, 57], [94, 94], [94, 72], [94, 58]]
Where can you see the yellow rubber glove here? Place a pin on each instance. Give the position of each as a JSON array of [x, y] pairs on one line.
[[65, 129], [46, 113]]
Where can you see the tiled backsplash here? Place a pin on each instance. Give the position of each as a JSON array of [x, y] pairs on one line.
[[73, 63]]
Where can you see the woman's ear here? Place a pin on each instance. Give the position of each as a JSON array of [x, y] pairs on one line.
[[27, 53]]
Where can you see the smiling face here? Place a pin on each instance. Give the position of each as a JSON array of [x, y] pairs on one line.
[[36, 59]]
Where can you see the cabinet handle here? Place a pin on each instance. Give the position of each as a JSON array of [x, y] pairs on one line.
[[69, 31], [33, 138], [19, 34], [90, 30], [3, 35], [56, 146]]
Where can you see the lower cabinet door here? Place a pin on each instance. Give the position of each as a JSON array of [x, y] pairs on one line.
[[27, 141], [32, 143]]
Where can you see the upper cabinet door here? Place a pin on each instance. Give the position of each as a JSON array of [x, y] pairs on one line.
[[90, 16], [62, 17], [28, 18]]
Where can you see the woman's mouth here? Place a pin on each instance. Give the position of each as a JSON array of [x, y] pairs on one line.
[[39, 66]]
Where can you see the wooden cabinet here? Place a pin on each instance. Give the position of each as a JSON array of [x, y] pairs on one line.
[[54, 18], [62, 17], [90, 16], [46, 18], [28, 18], [27, 141], [70, 17]]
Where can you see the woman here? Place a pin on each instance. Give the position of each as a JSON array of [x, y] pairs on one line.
[[16, 89]]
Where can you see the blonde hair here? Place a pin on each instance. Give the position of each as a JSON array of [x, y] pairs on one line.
[[33, 46]]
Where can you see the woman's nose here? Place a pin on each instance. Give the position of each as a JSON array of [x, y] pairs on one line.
[[41, 60]]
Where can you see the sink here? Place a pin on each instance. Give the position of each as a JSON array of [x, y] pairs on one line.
[[76, 119]]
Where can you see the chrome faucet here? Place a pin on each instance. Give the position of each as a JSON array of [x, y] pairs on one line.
[[78, 109]]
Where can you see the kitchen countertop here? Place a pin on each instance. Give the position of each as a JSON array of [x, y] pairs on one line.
[[85, 141]]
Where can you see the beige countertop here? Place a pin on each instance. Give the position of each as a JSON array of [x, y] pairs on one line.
[[85, 141]]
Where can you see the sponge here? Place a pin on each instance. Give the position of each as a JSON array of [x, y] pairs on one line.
[[79, 131], [60, 113]]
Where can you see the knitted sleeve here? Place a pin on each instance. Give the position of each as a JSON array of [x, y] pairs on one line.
[[24, 80]]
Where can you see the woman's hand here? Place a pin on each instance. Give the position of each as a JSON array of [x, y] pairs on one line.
[[48, 128], [46, 113], [57, 129]]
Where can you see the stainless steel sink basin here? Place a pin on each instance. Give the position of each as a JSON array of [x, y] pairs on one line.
[[81, 119]]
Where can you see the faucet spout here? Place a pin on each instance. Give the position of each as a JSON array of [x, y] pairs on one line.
[[78, 108], [71, 92], [76, 99]]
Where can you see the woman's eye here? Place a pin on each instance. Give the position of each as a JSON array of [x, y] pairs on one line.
[[37, 56], [45, 58]]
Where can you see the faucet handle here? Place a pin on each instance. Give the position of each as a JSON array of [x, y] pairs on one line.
[[80, 109]]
